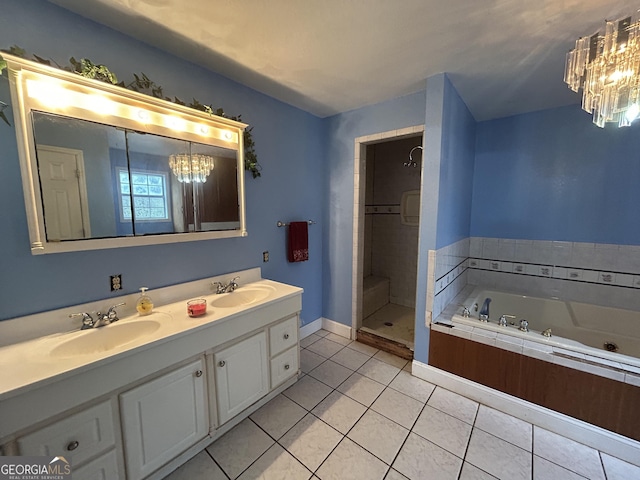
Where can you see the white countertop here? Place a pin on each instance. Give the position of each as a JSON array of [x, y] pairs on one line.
[[29, 364]]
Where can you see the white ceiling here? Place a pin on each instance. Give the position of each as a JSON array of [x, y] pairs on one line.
[[330, 56]]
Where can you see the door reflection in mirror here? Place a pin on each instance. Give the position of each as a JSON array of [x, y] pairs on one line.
[[99, 181]]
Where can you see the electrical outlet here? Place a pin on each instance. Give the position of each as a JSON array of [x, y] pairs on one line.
[[116, 282], [265, 256]]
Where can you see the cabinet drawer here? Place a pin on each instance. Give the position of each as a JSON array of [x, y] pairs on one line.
[[284, 366], [81, 436], [102, 468], [283, 335]]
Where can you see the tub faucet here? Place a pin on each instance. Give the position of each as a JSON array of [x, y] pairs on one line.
[[483, 316], [503, 322], [524, 326]]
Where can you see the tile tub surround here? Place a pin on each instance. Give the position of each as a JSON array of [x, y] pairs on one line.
[[446, 275], [450, 436], [604, 274]]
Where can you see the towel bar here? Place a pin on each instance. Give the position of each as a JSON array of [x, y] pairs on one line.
[[282, 224]]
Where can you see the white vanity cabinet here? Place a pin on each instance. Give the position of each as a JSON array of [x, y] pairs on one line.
[[163, 418], [242, 375], [81, 436], [283, 346]]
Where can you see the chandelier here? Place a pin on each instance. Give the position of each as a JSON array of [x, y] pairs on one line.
[[607, 68], [191, 168]]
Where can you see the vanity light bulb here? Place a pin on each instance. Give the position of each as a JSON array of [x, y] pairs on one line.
[[228, 135], [176, 123], [203, 129], [48, 92], [143, 115], [100, 104]]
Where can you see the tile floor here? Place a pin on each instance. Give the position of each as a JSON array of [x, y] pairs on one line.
[[402, 319], [357, 413]]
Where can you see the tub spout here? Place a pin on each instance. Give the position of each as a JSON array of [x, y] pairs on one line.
[[483, 316]]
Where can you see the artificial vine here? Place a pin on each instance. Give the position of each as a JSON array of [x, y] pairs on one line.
[[141, 84]]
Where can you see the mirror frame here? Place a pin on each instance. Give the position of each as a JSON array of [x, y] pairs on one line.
[[37, 87]]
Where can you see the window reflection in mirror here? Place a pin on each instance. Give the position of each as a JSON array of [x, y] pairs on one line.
[[98, 181]]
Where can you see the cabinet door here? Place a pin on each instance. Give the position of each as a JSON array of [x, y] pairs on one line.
[[162, 418], [242, 375], [102, 468]]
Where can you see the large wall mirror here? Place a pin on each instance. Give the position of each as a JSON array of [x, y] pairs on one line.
[[104, 167]]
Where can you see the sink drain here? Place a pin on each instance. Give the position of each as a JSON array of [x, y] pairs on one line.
[[610, 347], [388, 324]]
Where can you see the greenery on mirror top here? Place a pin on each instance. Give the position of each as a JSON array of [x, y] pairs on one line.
[[142, 84]]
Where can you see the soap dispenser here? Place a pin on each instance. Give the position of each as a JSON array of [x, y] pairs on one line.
[[144, 304]]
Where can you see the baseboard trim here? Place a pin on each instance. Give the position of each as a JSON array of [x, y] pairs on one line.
[[582, 432], [337, 328], [310, 328]]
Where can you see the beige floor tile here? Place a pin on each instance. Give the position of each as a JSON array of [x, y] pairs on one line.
[[200, 467], [398, 407], [308, 340], [338, 339], [349, 358], [240, 447], [504, 426], [278, 416], [276, 464], [617, 469], [497, 457], [454, 404], [309, 360], [307, 392], [350, 461], [446, 431], [361, 389], [325, 348], [391, 359], [311, 441], [339, 411], [412, 386], [419, 459], [379, 435], [362, 348], [331, 373], [471, 472], [546, 470], [575, 456], [379, 371]]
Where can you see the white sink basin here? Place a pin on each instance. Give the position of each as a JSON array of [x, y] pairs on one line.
[[242, 296], [103, 339]]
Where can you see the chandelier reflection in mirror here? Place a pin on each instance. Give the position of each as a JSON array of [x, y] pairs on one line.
[[607, 68], [194, 168]]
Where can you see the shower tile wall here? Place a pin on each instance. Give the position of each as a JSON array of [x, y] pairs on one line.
[[391, 249]]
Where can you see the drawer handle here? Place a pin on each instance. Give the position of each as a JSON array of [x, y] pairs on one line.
[[221, 363], [198, 373], [73, 445], [286, 367], [286, 336]]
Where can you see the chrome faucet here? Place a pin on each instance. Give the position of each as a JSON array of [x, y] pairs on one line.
[[503, 322], [524, 326], [228, 288], [483, 316], [101, 319]]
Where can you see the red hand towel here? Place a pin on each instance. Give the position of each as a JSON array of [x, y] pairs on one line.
[[298, 250]]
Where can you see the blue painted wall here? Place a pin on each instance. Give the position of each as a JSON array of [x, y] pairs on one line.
[[290, 144], [553, 175], [447, 179], [342, 130]]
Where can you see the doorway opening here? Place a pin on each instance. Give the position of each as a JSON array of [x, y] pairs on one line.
[[386, 221]]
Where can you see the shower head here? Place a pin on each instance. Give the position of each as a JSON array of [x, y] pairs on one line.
[[412, 162]]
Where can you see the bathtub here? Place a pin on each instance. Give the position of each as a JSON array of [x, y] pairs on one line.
[[579, 330]]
